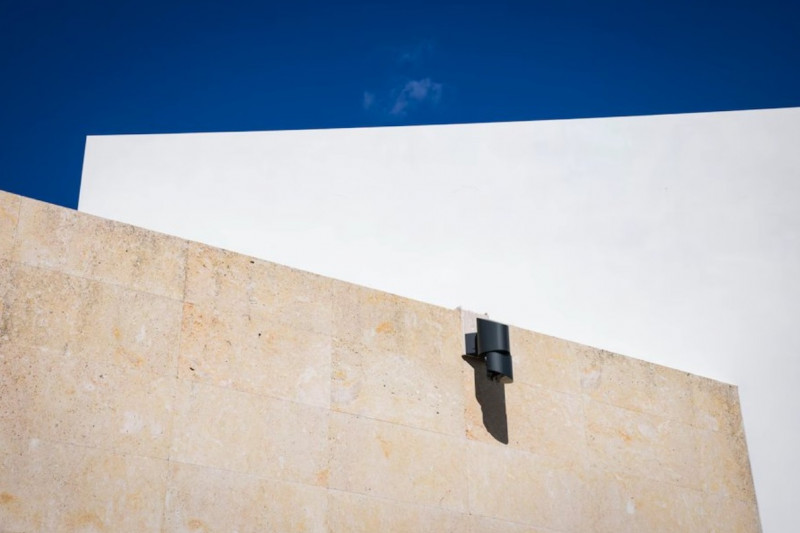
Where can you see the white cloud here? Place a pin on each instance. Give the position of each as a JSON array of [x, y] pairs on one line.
[[407, 85], [369, 99], [415, 92]]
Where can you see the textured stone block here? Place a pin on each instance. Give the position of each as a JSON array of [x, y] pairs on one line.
[[47, 486], [397, 462], [74, 243], [388, 323], [621, 441], [547, 361], [93, 320], [420, 388], [525, 488], [247, 433], [539, 420], [255, 353], [397, 360], [5, 287], [632, 504], [636, 385], [43, 308], [715, 405], [207, 499], [357, 513], [625, 504], [9, 216], [725, 465], [51, 395], [236, 283], [482, 524], [730, 514]]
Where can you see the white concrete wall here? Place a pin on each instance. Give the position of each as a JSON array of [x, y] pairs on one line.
[[675, 239]]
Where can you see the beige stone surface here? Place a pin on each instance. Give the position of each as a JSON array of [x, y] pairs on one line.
[[526, 488], [731, 515], [9, 216], [388, 323], [353, 513], [82, 245], [249, 433], [92, 320], [715, 405], [622, 441], [401, 463], [5, 286], [538, 419], [202, 499], [397, 360], [54, 487], [42, 307], [636, 385], [420, 388], [546, 361], [724, 465], [151, 384], [482, 524], [57, 396], [630, 504], [255, 353], [237, 284]]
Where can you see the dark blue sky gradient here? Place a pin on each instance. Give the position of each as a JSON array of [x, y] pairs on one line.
[[112, 67]]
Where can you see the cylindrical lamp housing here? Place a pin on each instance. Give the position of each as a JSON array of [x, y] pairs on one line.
[[492, 337], [494, 345], [498, 367]]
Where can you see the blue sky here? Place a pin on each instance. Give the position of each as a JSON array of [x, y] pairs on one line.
[[108, 67]]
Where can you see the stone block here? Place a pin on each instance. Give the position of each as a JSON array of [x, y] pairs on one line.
[[47, 394], [82, 245], [420, 387], [538, 420], [95, 321], [396, 462], [248, 433], [43, 308], [636, 385], [5, 287], [525, 488], [357, 513], [543, 360], [633, 504], [253, 352], [208, 499], [388, 323], [9, 216], [622, 441], [48, 486], [235, 284], [724, 464], [483, 524], [730, 514], [715, 405]]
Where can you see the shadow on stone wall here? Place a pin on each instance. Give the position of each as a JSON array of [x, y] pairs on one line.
[[491, 396]]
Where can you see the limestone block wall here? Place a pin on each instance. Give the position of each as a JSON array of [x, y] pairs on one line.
[[148, 383]]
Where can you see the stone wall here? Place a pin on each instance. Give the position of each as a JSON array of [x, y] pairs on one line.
[[149, 383]]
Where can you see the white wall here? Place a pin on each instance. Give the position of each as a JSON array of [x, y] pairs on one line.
[[675, 239]]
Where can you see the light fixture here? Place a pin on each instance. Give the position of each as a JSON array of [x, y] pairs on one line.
[[491, 344]]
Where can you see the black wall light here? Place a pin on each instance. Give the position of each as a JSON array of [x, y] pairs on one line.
[[491, 343]]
